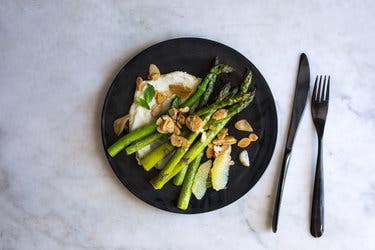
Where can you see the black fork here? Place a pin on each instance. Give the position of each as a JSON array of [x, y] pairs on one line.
[[319, 108]]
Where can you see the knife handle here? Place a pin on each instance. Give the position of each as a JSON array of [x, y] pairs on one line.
[[280, 188]]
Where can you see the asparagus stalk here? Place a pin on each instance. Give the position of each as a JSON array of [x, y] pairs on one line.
[[246, 81], [144, 142], [185, 194], [156, 155], [166, 174]]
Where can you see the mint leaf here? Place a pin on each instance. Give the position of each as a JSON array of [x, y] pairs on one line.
[[142, 102], [176, 102], [149, 93]]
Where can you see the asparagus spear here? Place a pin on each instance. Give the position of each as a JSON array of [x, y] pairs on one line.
[[226, 102], [166, 174], [185, 194], [130, 138], [144, 142], [156, 155], [179, 178], [149, 129], [246, 82]]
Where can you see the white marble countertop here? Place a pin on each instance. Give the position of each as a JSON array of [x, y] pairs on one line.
[[57, 59]]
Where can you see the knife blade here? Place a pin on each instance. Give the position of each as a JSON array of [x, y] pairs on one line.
[[299, 103]]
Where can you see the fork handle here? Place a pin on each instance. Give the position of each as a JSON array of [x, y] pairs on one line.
[[317, 211]]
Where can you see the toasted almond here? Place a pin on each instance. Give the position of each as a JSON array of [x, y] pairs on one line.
[[244, 142], [181, 119], [220, 114], [203, 137], [209, 152], [138, 81], [160, 97], [228, 140], [173, 112], [244, 158], [180, 91], [194, 123], [210, 145], [165, 124], [243, 125], [211, 127], [253, 137], [179, 141], [153, 69], [155, 109], [222, 134], [120, 124]]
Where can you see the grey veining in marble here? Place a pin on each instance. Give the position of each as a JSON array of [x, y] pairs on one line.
[[57, 59]]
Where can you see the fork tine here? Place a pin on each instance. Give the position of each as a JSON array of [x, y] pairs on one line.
[[324, 88], [314, 91], [327, 91], [318, 94]]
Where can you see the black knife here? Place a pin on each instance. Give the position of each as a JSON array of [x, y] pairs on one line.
[[300, 97]]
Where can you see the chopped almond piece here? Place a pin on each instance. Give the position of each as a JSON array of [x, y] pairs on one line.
[[153, 72], [253, 137], [165, 124], [243, 125], [138, 81], [176, 131], [194, 123], [160, 97], [179, 141], [228, 140], [244, 142], [222, 134], [220, 114], [155, 109], [180, 91]]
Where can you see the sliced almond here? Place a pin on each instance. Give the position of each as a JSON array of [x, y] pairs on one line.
[[120, 124], [155, 109], [160, 97], [228, 140], [194, 123], [244, 142], [179, 141], [173, 112], [222, 134], [138, 82], [165, 124], [220, 114], [153, 72], [244, 159], [253, 137], [243, 125], [203, 137], [180, 91]]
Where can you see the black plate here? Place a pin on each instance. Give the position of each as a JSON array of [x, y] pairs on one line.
[[194, 56]]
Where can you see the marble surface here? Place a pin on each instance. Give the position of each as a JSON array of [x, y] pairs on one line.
[[57, 59]]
